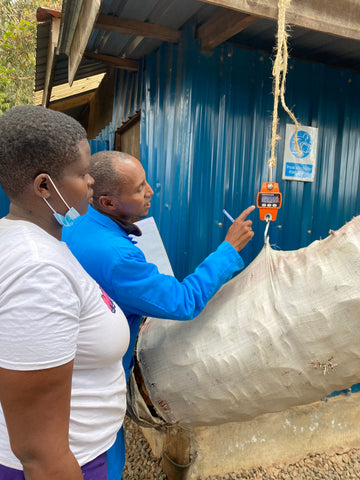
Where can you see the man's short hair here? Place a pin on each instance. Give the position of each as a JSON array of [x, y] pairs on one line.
[[102, 169], [36, 140]]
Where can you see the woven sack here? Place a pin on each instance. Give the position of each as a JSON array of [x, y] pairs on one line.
[[284, 332]]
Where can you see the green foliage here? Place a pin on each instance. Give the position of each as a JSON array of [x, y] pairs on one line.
[[18, 50]]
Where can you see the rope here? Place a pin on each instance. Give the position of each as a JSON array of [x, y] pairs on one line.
[[279, 74]]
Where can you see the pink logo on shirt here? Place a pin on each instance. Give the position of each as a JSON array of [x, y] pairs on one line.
[[108, 300]]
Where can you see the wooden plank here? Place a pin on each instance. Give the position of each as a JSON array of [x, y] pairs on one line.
[[51, 60], [79, 87], [223, 26], [125, 63], [73, 102], [137, 28], [341, 18], [89, 12]]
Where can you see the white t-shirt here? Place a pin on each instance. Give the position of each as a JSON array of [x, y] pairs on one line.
[[52, 311]]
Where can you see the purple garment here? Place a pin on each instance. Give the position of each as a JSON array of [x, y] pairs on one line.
[[94, 470]]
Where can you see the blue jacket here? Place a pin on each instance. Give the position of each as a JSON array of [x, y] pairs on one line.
[[111, 257]]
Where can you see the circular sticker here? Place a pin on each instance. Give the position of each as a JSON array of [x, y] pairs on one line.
[[305, 144]]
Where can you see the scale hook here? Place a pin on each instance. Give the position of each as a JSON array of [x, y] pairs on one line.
[[267, 219]]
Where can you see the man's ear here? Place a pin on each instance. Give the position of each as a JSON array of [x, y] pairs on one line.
[[41, 183], [106, 203]]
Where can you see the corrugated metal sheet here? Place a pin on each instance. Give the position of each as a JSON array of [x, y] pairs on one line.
[[98, 145], [87, 68], [304, 44], [172, 13], [127, 102], [205, 135], [128, 95]]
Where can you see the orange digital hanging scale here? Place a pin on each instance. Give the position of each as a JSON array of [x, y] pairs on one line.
[[268, 201]]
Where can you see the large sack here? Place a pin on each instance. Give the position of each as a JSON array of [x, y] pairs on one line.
[[284, 332]]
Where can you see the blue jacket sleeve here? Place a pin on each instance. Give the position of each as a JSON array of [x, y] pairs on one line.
[[140, 289]]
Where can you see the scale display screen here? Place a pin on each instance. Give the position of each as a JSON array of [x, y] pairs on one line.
[[269, 199]]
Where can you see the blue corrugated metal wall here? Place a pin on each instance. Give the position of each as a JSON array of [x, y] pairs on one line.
[[127, 102], [205, 136]]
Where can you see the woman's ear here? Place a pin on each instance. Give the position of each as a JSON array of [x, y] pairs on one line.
[[41, 182]]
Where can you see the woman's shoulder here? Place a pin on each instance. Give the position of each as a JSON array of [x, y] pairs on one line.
[[25, 245]]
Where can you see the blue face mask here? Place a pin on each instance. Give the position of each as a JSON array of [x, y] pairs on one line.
[[64, 220], [68, 219]]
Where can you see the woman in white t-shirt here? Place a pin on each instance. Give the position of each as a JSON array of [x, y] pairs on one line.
[[62, 385]]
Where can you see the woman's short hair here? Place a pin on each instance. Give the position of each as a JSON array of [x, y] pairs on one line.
[[36, 140]]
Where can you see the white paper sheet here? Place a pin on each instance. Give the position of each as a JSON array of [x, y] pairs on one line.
[[152, 246]]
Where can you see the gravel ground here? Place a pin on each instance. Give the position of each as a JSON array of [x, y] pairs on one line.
[[140, 462], [142, 465]]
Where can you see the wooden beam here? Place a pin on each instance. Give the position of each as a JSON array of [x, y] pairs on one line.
[[89, 12], [45, 14], [51, 59], [341, 18], [73, 102], [125, 63], [221, 27], [137, 28]]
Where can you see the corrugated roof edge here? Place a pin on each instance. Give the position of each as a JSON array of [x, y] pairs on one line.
[[70, 16]]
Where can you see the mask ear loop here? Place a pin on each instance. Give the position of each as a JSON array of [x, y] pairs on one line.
[[57, 191], [48, 204]]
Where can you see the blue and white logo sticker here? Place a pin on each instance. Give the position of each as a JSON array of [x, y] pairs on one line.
[[301, 165]]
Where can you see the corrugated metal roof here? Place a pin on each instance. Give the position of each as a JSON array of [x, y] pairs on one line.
[[304, 44], [172, 14], [87, 68]]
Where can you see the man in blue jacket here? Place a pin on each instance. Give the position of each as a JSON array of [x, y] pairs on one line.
[[101, 241]]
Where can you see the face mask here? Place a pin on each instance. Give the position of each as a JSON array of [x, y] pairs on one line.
[[64, 220]]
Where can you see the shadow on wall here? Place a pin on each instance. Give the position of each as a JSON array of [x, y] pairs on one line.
[[4, 203]]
